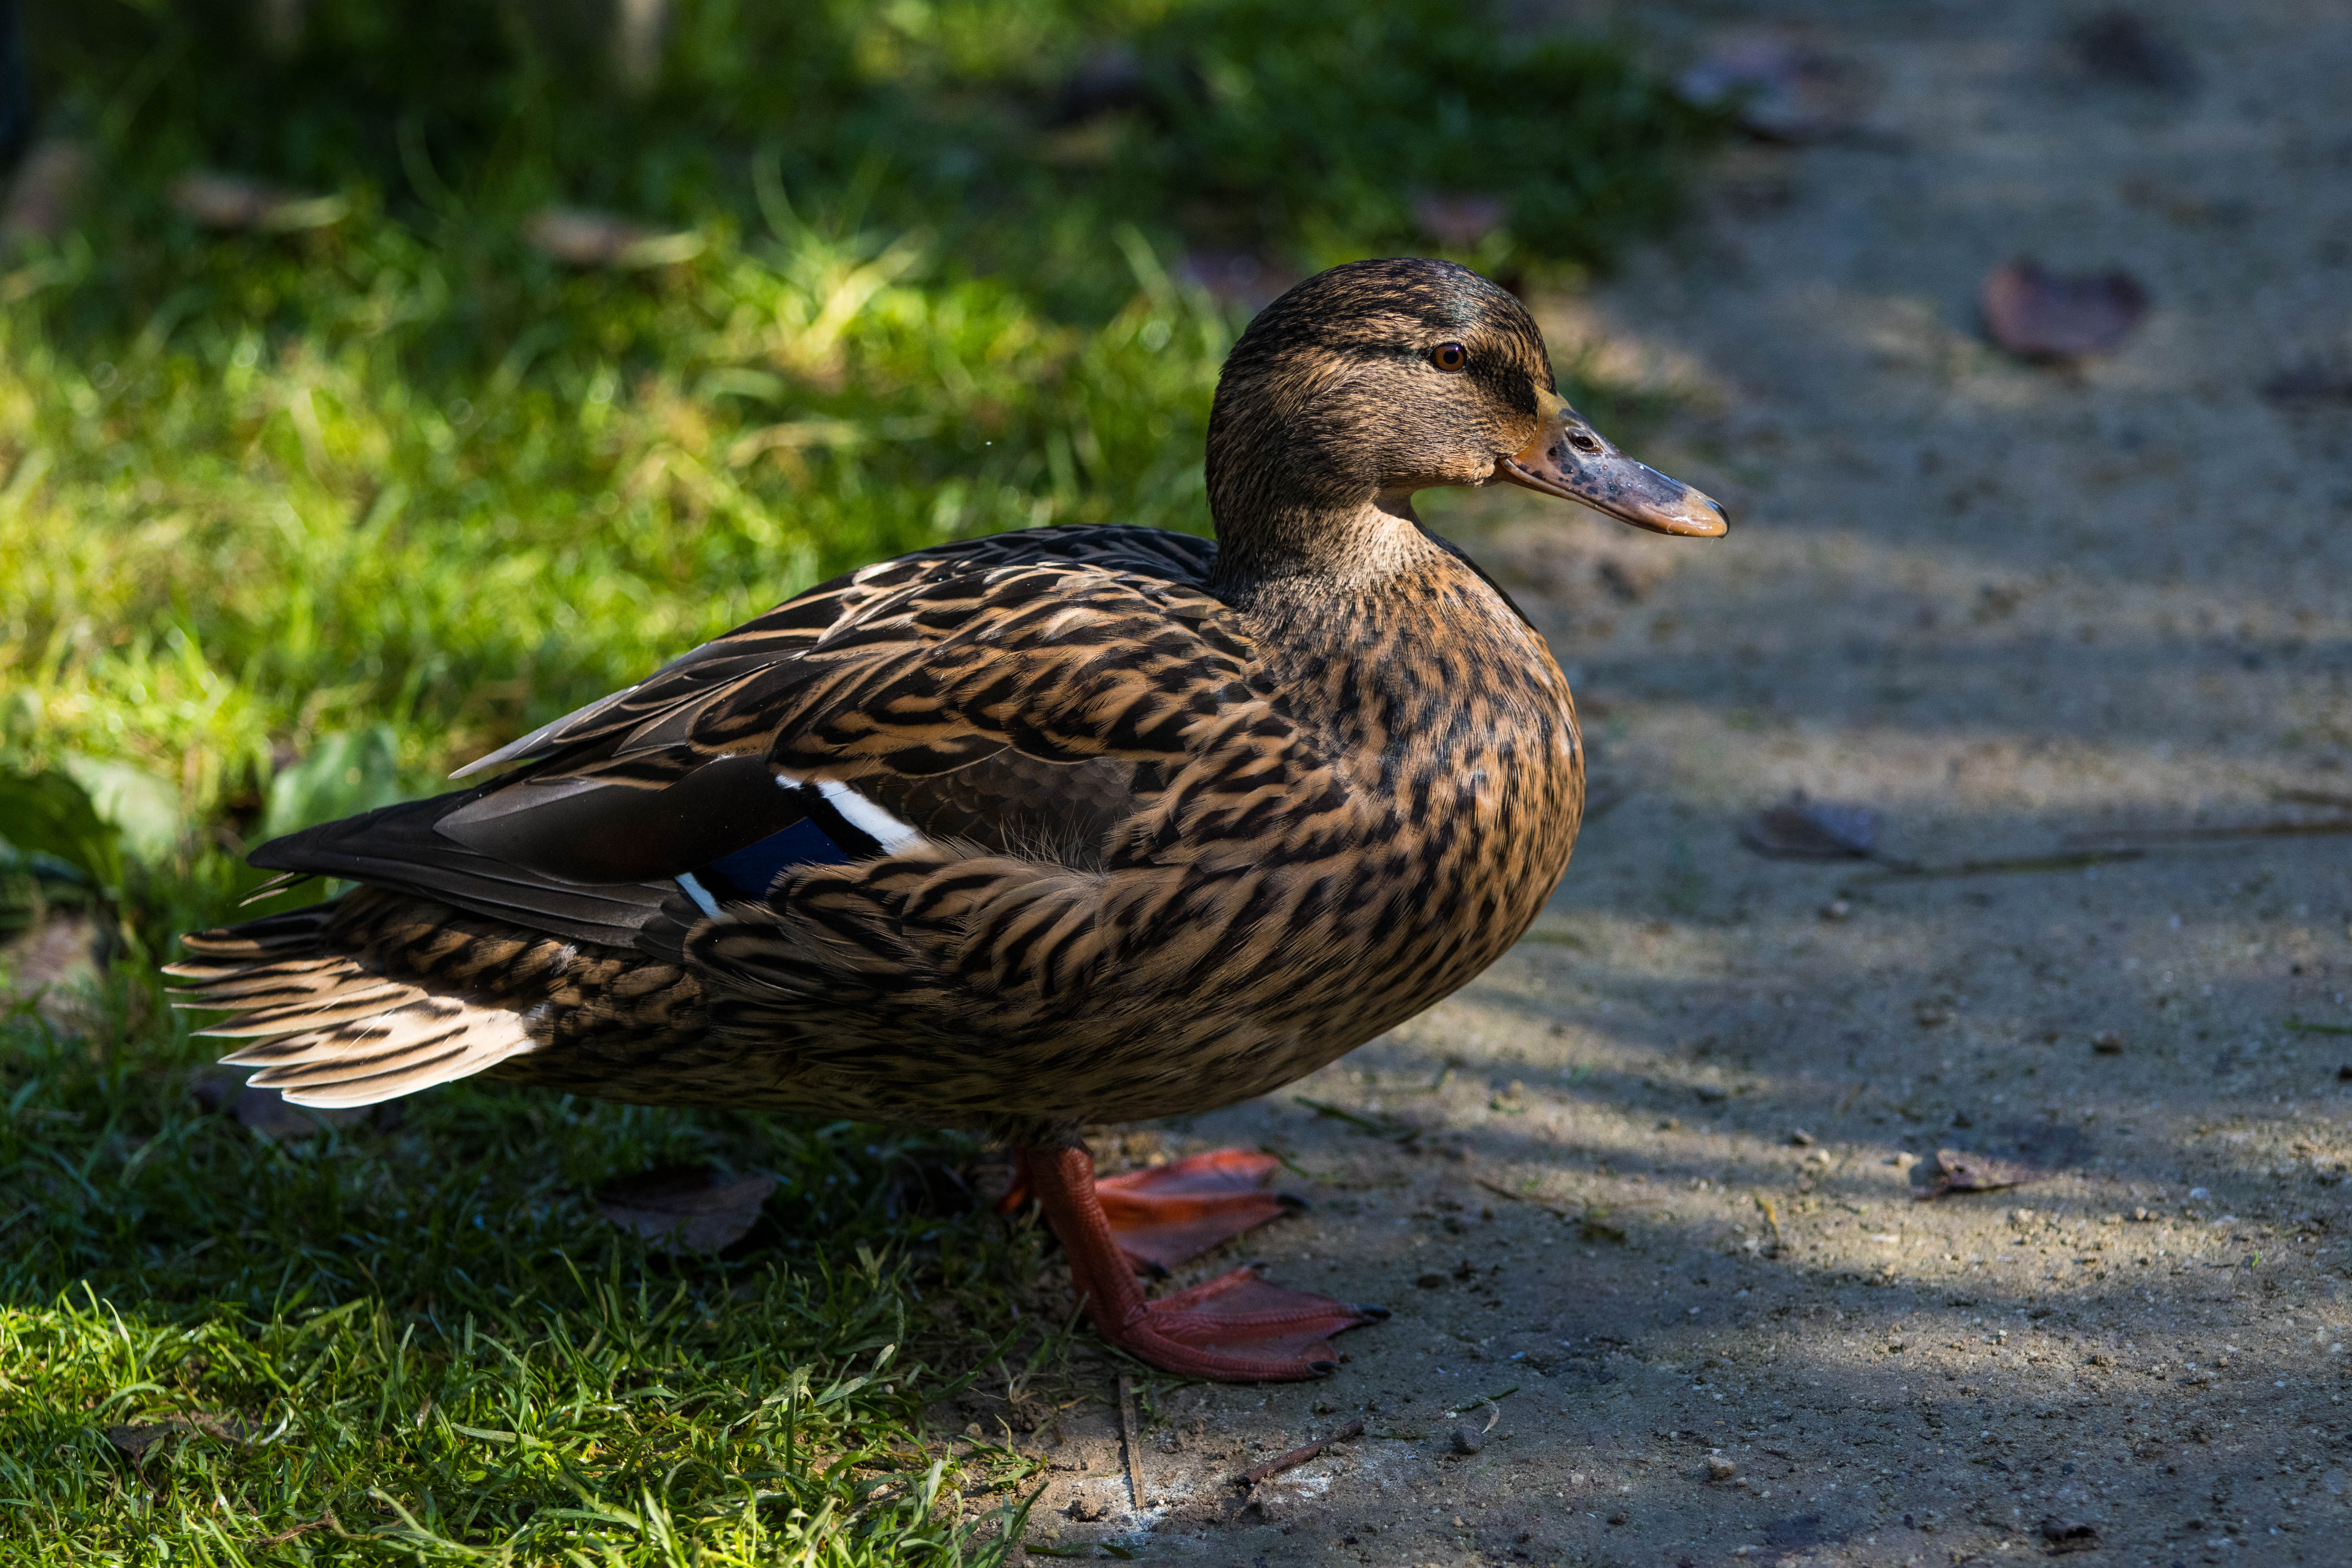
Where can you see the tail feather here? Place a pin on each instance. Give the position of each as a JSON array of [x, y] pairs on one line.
[[328, 1025], [349, 1006]]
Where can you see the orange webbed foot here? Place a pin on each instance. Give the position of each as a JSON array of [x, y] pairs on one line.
[[1235, 1328]]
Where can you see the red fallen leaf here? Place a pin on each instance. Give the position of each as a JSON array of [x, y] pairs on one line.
[[2047, 315], [1800, 829], [1782, 90], [579, 237], [1957, 1171], [686, 1208], [1458, 221]]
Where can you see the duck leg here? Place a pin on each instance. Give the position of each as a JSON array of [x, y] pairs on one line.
[[1166, 1214], [1235, 1328]]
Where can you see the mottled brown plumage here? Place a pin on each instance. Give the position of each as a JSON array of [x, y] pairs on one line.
[[1069, 824]]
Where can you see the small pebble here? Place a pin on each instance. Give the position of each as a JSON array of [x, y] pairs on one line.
[[2108, 1044], [1836, 910], [1719, 1468], [1802, 1139], [1468, 1439]]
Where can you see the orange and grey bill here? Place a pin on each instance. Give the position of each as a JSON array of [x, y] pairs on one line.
[[1568, 458]]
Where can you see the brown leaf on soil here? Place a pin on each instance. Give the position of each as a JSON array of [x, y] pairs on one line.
[[1800, 829], [1959, 1172], [2041, 314], [686, 1208], [2063, 1537], [1782, 90], [2119, 46], [2310, 385]]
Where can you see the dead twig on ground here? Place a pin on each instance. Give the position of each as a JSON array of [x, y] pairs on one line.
[[1296, 1458], [326, 1520], [1378, 1127], [1129, 1436], [2002, 865]]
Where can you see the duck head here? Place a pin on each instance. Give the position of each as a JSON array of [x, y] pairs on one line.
[[1373, 380]]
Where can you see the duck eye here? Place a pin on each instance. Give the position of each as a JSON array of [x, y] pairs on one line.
[[1448, 356]]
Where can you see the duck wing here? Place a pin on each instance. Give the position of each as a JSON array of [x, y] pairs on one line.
[[1021, 695]]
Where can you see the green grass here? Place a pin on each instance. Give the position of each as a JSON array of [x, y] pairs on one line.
[[291, 524]]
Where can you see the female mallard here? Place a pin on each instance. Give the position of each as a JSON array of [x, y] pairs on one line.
[[1092, 824]]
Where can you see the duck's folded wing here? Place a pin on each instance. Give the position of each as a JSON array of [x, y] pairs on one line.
[[1024, 708]]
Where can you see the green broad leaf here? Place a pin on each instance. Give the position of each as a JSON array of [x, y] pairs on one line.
[[144, 810], [345, 773], [48, 821]]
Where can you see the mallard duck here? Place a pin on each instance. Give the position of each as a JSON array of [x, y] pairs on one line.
[[1064, 826]]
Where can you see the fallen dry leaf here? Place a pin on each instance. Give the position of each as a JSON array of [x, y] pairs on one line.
[[2310, 384], [1234, 277], [2064, 1537], [42, 198], [1459, 220], [61, 964], [135, 1439], [2041, 314], [1800, 829], [1780, 90], [139, 1438], [237, 202], [266, 1111], [686, 1208], [579, 237], [1957, 1172], [2120, 46]]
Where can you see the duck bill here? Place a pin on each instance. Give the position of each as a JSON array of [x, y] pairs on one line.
[[1569, 458]]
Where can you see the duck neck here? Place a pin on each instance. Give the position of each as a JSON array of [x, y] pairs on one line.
[[1296, 550]]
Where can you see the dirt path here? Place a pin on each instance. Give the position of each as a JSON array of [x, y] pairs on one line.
[[1666, 1193]]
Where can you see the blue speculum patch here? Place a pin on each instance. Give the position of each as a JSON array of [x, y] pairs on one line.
[[750, 872]]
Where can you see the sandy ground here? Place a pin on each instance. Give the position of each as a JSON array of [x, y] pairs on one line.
[[2002, 605]]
